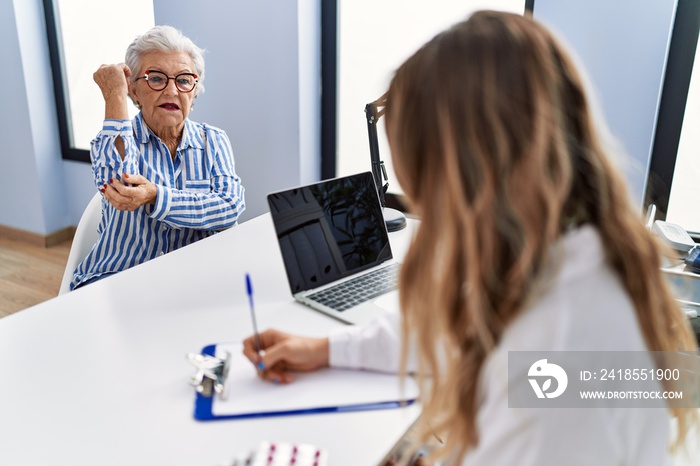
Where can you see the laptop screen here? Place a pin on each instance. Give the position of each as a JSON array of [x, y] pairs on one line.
[[329, 230]]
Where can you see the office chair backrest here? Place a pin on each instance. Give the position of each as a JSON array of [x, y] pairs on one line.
[[85, 238]]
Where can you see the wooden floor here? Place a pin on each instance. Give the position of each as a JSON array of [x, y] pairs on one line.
[[29, 274]]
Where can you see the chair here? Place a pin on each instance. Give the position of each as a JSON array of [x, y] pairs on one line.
[[84, 239]]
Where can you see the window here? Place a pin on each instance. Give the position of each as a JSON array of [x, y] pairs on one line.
[[82, 36], [360, 52], [672, 183], [685, 189]]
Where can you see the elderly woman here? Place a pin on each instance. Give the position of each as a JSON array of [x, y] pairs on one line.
[[167, 181]]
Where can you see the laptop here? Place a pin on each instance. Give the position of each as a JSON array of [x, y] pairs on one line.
[[335, 247]]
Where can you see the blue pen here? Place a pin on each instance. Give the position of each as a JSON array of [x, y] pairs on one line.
[[258, 348]]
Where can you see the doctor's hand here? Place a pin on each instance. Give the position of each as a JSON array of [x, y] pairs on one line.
[[129, 197], [283, 352]]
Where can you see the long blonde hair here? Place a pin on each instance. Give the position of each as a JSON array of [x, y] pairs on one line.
[[494, 145]]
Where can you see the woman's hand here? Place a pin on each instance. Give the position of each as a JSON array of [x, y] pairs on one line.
[[283, 352], [113, 82], [123, 197]]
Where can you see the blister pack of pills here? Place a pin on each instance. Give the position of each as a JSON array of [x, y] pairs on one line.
[[288, 454]]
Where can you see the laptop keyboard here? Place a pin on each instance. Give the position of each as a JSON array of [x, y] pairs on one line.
[[356, 291]]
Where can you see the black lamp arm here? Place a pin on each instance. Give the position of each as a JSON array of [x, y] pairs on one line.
[[372, 113]]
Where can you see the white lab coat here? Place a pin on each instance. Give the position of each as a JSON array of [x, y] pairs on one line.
[[584, 308]]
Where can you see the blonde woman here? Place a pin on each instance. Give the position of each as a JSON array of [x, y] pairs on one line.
[[527, 241]]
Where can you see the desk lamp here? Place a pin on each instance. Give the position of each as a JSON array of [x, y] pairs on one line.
[[394, 219]]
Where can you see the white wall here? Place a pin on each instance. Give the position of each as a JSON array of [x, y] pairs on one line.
[[623, 45], [31, 191]]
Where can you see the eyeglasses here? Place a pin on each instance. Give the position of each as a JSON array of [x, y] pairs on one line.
[[157, 80]]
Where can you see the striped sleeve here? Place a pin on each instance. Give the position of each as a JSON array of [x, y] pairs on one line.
[[106, 161], [213, 207]]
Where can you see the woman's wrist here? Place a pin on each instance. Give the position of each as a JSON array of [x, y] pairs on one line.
[[323, 351], [116, 108]]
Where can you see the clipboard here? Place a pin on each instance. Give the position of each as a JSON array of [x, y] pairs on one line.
[[323, 391]]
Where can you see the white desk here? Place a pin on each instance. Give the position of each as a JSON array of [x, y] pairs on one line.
[[99, 376]]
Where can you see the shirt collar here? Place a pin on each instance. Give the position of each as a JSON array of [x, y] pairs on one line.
[[578, 253], [142, 133]]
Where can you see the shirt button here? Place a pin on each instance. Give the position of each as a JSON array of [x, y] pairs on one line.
[[161, 253]]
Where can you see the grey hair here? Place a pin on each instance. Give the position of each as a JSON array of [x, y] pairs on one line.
[[165, 39]]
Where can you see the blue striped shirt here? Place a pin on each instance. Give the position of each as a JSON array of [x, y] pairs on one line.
[[198, 194]]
